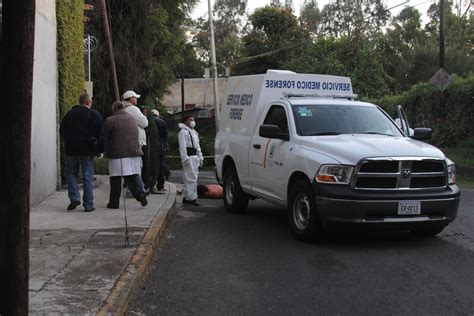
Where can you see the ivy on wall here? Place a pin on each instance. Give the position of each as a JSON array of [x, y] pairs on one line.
[[69, 15]]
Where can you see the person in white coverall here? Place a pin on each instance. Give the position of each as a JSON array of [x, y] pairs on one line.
[[191, 159]]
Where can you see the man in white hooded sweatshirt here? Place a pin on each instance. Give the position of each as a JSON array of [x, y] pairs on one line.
[[130, 102], [191, 159]]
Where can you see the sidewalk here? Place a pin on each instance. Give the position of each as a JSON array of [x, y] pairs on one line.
[[79, 262]]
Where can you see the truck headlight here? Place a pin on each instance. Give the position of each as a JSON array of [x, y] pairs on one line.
[[451, 172], [334, 174]]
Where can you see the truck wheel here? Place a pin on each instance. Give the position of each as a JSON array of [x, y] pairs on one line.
[[302, 213], [425, 231], [235, 199]]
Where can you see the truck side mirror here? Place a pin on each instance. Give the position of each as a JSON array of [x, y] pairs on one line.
[[422, 133], [272, 131]]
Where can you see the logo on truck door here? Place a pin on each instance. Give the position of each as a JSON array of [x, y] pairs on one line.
[[272, 151]]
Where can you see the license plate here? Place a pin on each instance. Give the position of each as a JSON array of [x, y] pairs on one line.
[[409, 208]]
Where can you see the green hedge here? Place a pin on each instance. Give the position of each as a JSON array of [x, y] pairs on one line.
[[450, 125], [70, 49], [69, 16]]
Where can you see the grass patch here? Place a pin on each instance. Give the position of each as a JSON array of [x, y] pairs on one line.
[[462, 154], [465, 181]]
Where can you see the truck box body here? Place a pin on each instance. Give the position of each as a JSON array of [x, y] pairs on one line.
[[245, 96]]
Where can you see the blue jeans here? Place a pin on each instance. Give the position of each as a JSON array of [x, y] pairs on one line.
[[72, 165]]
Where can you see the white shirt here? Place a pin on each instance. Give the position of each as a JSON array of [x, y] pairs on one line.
[[141, 120], [125, 166]]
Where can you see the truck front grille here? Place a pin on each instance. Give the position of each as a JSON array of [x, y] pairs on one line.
[[400, 173]]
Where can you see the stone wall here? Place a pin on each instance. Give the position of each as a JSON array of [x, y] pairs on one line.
[[44, 122]]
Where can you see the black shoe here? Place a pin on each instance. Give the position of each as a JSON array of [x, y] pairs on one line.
[[193, 202], [73, 205], [89, 209], [142, 198], [112, 206]]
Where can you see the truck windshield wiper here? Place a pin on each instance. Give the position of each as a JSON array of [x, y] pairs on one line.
[[375, 133], [323, 133]]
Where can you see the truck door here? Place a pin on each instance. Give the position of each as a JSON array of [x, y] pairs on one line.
[[267, 156]]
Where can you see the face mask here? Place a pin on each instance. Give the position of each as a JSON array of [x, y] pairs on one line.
[[192, 124]]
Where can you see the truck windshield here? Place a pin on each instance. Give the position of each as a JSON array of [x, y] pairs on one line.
[[330, 119]]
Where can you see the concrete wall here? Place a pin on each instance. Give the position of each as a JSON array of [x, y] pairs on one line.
[[44, 122], [198, 91]]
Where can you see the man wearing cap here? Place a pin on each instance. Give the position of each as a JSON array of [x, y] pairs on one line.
[[130, 102]]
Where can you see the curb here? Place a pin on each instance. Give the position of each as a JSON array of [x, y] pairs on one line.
[[117, 301]]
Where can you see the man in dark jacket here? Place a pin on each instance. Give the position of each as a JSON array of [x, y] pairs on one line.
[[82, 132], [162, 130]]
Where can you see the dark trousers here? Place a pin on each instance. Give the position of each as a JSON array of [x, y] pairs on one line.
[[145, 174], [132, 183], [161, 174]]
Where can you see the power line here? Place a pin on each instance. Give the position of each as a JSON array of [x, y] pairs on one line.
[[245, 59]]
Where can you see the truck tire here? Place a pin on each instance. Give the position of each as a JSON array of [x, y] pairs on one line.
[[235, 199], [302, 213], [426, 231]]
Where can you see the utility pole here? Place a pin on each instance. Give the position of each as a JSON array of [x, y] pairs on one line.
[[16, 71], [441, 53], [214, 68], [110, 50], [182, 91], [441, 33]]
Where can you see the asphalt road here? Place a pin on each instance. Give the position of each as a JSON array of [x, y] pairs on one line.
[[215, 263]]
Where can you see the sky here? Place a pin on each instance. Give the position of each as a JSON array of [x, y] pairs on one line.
[[422, 6]]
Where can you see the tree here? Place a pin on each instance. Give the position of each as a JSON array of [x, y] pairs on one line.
[[326, 55], [399, 44], [276, 3], [412, 52], [368, 76], [341, 56], [275, 35], [228, 27], [193, 67], [310, 16], [459, 30], [149, 41], [355, 19], [16, 71]]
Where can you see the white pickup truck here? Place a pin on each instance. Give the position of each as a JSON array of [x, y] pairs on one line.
[[304, 142]]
